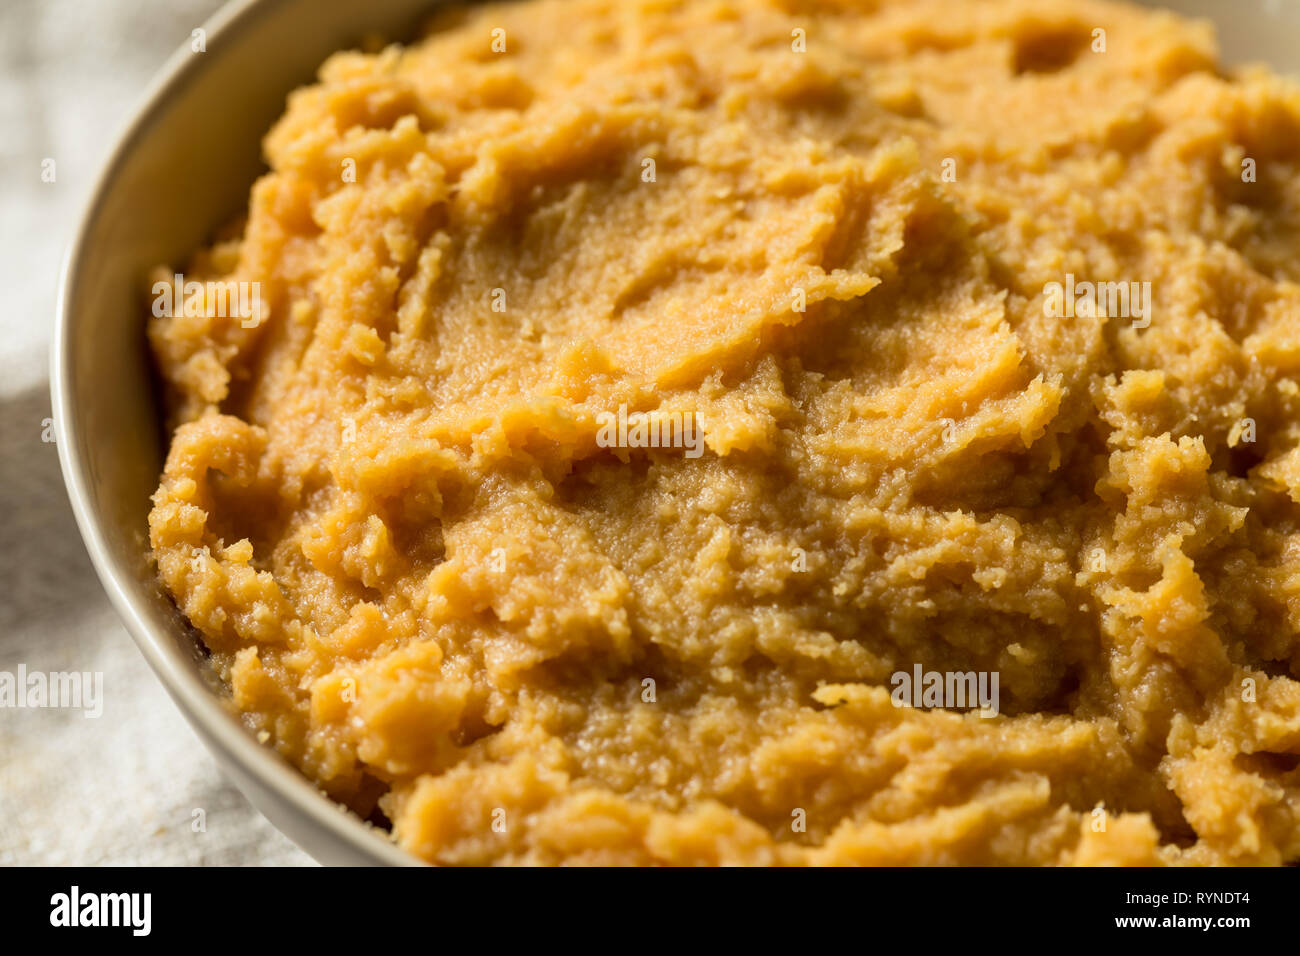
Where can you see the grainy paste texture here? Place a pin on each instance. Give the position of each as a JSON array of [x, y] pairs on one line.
[[431, 587]]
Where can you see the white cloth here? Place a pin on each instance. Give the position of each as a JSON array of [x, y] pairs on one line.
[[123, 788]]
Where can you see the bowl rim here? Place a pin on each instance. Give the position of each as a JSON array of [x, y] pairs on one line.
[[196, 700]]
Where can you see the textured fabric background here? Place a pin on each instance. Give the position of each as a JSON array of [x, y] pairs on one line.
[[123, 788]]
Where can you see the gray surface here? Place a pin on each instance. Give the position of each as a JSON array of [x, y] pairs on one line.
[[123, 788]]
